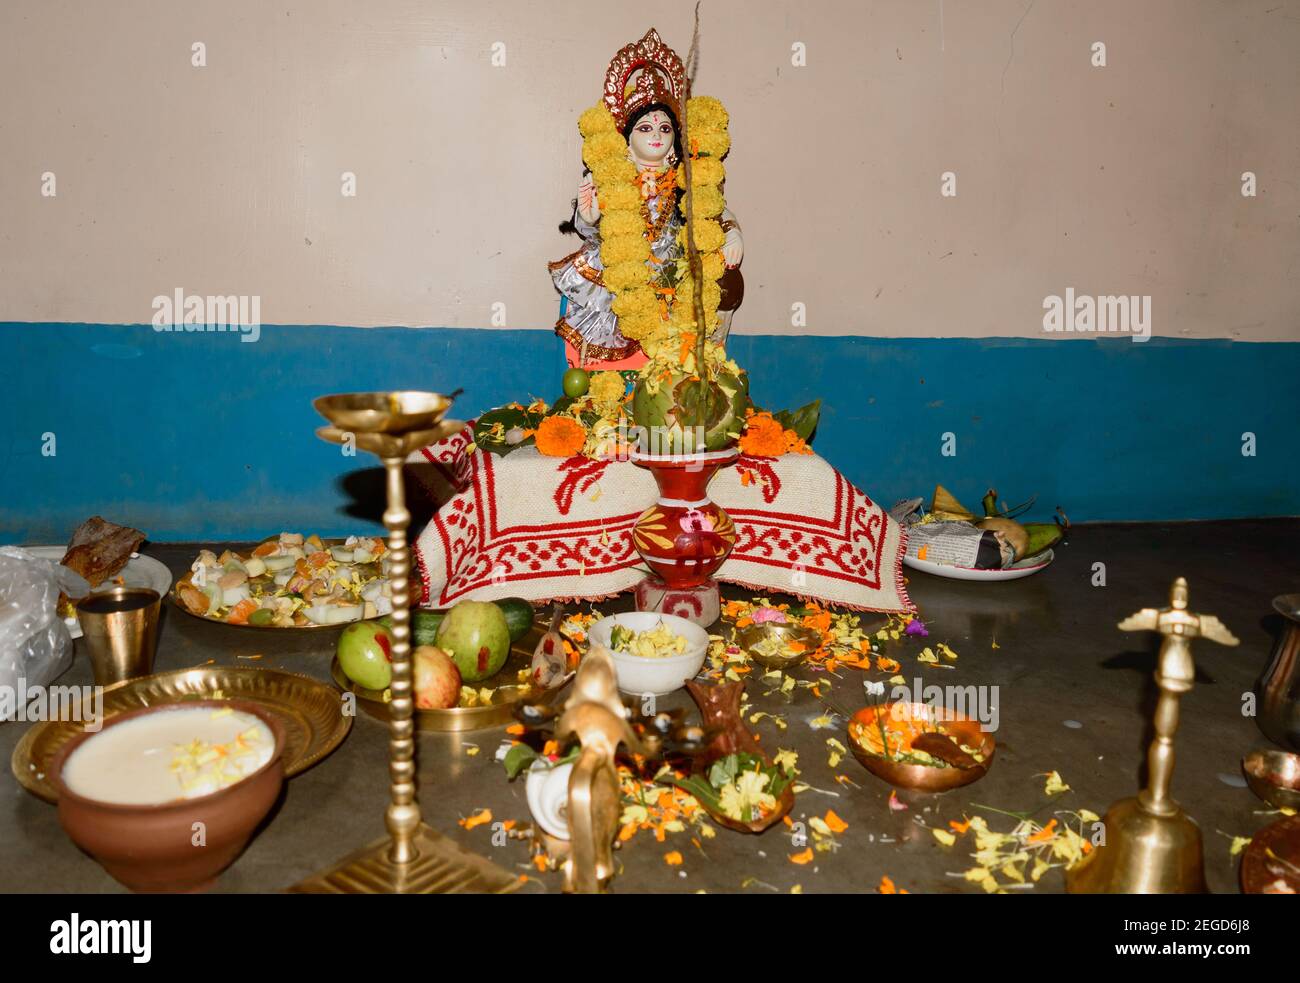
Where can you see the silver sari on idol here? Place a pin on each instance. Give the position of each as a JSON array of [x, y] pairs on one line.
[[586, 318]]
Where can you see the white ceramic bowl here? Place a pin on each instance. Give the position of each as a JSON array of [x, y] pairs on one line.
[[641, 676], [547, 790]]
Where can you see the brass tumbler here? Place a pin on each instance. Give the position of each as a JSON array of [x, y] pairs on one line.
[[119, 629]]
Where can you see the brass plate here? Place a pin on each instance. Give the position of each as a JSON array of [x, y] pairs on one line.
[[185, 580], [310, 710], [499, 711]]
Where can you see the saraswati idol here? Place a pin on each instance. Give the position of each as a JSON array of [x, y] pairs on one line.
[[631, 270], [651, 292]]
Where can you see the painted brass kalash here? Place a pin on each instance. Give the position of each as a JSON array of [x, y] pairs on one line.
[[413, 858], [1151, 845]]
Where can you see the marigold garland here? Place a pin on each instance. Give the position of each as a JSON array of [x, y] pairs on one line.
[[651, 310]]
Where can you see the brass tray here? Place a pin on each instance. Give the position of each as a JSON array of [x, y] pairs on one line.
[[174, 598], [508, 692], [310, 710]]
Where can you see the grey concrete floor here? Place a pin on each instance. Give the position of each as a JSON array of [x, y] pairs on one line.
[[1059, 659]]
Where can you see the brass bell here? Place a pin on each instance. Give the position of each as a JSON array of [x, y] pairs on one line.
[[1151, 846]]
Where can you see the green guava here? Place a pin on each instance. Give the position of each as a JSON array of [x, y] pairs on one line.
[[476, 636]]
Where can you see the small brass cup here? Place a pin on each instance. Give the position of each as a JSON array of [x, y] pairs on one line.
[[119, 628]]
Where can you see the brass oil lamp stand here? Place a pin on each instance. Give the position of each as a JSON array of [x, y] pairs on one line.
[[413, 858], [1151, 845]]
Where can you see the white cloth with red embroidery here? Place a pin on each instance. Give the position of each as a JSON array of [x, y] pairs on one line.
[[527, 525]]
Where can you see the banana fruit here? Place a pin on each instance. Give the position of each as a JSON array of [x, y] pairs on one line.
[[1027, 538]]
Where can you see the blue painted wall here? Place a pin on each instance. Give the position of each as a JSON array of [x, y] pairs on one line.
[[191, 436]]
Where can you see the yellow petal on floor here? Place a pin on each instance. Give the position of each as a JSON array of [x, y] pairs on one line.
[[1055, 784]]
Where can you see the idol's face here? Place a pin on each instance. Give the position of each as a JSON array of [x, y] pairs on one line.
[[651, 140]]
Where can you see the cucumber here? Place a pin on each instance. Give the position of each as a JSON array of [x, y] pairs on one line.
[[519, 616], [424, 626]]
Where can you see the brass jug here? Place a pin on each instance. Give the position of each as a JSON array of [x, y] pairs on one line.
[[1278, 688]]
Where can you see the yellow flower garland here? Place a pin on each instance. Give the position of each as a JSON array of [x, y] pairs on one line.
[[624, 251]]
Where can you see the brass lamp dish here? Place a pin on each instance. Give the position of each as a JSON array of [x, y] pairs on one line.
[[398, 413], [753, 635]]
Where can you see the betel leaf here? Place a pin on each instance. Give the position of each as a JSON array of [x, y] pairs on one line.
[[509, 417], [704, 793], [724, 770], [802, 421], [519, 758], [561, 405]]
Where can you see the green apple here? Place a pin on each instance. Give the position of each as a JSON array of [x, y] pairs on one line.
[[365, 654]]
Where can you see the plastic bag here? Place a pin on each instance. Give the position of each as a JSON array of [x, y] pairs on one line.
[[34, 642]]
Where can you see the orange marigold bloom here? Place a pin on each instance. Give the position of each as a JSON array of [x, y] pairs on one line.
[[560, 436], [763, 436]]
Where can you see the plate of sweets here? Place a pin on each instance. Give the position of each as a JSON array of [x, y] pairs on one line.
[[290, 581]]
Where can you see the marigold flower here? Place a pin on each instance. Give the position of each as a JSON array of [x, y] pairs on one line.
[[613, 171], [763, 436], [621, 196], [606, 387], [624, 249], [595, 120], [619, 222], [711, 145], [607, 145], [560, 436], [708, 202]]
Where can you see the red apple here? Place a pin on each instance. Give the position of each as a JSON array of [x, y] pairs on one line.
[[436, 680]]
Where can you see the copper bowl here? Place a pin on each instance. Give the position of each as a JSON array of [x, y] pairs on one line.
[[1274, 776], [151, 848], [924, 778]]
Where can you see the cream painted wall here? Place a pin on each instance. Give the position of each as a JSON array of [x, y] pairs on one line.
[[226, 179]]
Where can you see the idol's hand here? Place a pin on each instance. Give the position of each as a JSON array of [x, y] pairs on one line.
[[588, 207], [733, 249]]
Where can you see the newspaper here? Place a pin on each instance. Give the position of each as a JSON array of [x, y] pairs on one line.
[[951, 543]]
